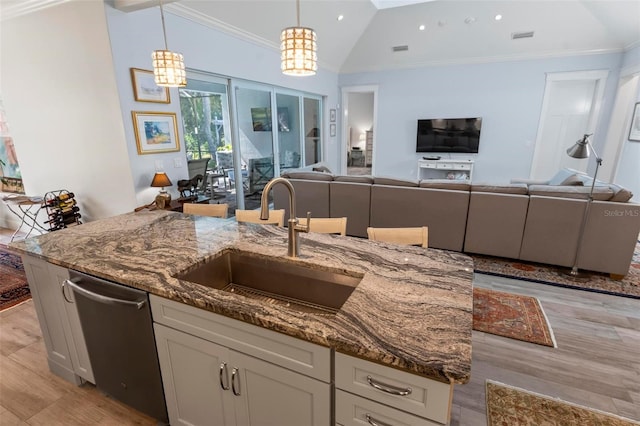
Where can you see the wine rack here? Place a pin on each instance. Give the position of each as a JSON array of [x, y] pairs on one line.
[[62, 209]]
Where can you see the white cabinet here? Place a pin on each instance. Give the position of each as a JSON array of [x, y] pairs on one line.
[[368, 152], [217, 370], [66, 348], [459, 169], [372, 389]]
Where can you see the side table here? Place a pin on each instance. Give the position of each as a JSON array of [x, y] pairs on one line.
[[26, 209]]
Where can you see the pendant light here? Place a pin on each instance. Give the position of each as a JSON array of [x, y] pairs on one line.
[[168, 66], [298, 49]]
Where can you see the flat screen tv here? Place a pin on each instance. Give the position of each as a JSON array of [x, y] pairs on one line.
[[452, 135]]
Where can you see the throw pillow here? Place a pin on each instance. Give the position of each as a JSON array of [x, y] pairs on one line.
[[572, 180]]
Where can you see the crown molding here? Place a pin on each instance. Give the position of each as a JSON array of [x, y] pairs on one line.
[[16, 9], [485, 60], [210, 22]]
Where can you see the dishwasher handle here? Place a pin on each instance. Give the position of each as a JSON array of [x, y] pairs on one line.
[[104, 299]]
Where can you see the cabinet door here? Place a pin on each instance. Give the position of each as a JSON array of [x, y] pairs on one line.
[[193, 379], [47, 298], [71, 321], [268, 395]]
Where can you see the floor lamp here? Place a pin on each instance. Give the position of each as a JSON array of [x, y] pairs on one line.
[[582, 149]]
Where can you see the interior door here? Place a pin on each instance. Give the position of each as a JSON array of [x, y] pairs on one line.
[[570, 109]]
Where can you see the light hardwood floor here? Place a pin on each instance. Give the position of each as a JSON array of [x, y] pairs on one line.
[[596, 363]]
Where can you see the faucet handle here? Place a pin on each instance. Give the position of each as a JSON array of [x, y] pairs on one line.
[[305, 227]]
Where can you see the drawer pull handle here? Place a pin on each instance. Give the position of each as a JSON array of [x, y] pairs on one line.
[[223, 372], [393, 390], [234, 373], [374, 422]]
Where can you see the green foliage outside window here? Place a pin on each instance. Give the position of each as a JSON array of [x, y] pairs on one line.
[[203, 124]]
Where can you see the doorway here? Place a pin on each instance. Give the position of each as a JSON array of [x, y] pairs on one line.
[[359, 130], [570, 109]]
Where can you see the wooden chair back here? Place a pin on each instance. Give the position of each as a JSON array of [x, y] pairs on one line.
[[213, 210], [276, 217], [412, 236], [327, 225]]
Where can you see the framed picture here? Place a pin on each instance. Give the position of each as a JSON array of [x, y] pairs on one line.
[[634, 131], [332, 115], [156, 132], [261, 119], [332, 129], [145, 88]]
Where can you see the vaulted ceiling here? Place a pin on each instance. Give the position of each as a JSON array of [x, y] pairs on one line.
[[454, 32]]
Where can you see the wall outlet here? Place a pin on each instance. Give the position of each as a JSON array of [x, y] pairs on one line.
[[177, 162]]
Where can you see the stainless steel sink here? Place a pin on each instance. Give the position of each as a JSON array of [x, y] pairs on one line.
[[275, 281]]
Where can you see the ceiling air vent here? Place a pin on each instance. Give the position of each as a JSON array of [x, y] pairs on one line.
[[527, 34], [402, 48]]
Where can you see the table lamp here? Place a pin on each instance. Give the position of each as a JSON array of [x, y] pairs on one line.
[[160, 180], [582, 149]]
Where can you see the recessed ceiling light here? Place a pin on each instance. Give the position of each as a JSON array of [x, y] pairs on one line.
[[421, 27], [498, 17], [340, 17], [470, 20]]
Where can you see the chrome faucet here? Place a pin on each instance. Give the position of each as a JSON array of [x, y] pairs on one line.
[[293, 248]]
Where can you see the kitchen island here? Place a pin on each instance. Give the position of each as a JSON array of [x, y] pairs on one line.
[[411, 311]]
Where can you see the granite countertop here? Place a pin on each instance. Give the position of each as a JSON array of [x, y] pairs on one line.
[[412, 310]]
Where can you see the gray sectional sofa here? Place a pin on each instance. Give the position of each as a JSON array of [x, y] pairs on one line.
[[525, 221]]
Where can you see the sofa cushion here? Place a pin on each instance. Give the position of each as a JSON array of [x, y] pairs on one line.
[[354, 179], [513, 188], [620, 193], [323, 169], [458, 185], [600, 193], [308, 175], [394, 181]]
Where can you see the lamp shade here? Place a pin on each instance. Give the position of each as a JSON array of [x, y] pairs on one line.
[[168, 69], [298, 51], [580, 149], [160, 180]]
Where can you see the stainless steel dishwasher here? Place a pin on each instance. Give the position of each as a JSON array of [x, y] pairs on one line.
[[117, 326]]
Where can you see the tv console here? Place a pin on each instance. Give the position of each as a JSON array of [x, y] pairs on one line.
[[460, 169]]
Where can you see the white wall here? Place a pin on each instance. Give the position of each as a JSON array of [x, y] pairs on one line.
[[61, 98], [135, 35], [508, 97]]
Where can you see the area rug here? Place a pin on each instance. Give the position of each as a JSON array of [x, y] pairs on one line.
[[14, 288], [629, 286], [511, 315], [511, 406]]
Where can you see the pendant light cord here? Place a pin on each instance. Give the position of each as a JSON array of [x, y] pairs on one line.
[[297, 11], [164, 31]]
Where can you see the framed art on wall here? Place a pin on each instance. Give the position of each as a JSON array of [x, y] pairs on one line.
[[145, 88], [332, 129], [332, 115], [634, 131], [156, 132]]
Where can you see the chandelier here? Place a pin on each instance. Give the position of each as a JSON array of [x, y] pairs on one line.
[[298, 49], [168, 66]]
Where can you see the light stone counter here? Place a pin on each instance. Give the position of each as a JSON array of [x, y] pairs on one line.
[[412, 310]]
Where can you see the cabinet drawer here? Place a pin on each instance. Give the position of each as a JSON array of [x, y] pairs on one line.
[[462, 166], [426, 398], [352, 410], [445, 166], [429, 165], [291, 353]]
